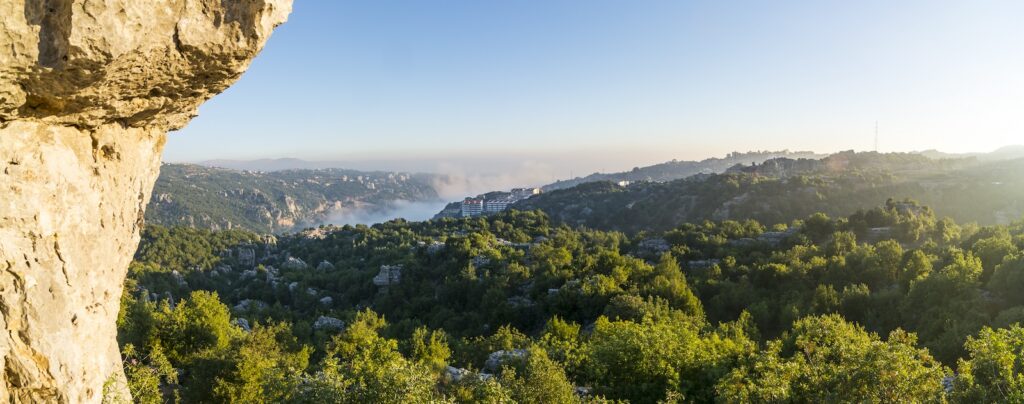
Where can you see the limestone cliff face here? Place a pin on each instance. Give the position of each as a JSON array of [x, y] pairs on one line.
[[88, 91]]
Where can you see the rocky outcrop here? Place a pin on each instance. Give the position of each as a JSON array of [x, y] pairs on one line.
[[88, 91]]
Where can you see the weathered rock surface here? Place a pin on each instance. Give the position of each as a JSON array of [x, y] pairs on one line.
[[88, 91]]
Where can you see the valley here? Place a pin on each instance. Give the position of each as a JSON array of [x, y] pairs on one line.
[[588, 290], [282, 201]]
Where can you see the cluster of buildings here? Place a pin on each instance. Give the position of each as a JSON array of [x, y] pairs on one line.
[[478, 206], [489, 203], [372, 182]]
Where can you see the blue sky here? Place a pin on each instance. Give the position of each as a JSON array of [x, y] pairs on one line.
[[603, 84]]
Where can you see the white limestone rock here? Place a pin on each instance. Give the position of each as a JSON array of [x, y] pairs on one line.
[[328, 323], [294, 264], [88, 91], [498, 358], [325, 266], [242, 323], [388, 275]]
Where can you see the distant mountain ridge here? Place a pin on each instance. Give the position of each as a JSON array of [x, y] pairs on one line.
[[279, 201], [674, 170], [1002, 153], [966, 189], [268, 165]]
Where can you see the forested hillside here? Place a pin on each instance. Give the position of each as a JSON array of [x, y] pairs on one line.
[[675, 169], [288, 200], [889, 304], [781, 189]]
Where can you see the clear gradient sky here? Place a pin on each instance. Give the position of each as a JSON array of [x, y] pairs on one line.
[[628, 82]]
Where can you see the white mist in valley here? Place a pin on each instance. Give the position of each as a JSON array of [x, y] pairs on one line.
[[457, 181], [373, 214], [452, 183]]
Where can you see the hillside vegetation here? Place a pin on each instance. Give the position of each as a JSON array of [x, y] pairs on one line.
[[781, 189], [792, 280], [679, 169], [278, 201], [890, 304]]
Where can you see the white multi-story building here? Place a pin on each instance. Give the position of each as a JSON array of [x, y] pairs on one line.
[[523, 193], [493, 202], [472, 207], [498, 204]]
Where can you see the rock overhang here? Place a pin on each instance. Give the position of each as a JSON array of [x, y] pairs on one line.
[[140, 63]]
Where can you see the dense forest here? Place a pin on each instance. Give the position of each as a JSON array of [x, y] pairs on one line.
[[887, 304], [278, 201]]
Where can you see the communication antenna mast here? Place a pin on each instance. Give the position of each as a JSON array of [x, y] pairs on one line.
[[876, 136]]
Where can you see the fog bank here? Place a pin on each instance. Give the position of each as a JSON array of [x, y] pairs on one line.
[[372, 214]]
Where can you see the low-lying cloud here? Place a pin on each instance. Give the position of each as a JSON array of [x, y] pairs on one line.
[[457, 181], [452, 183], [372, 214]]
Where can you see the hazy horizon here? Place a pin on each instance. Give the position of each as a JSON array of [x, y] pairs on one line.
[[652, 81], [559, 164]]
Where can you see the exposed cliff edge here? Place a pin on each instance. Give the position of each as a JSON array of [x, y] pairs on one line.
[[88, 91]]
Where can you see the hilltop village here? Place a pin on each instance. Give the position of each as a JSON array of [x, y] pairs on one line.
[[489, 203]]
